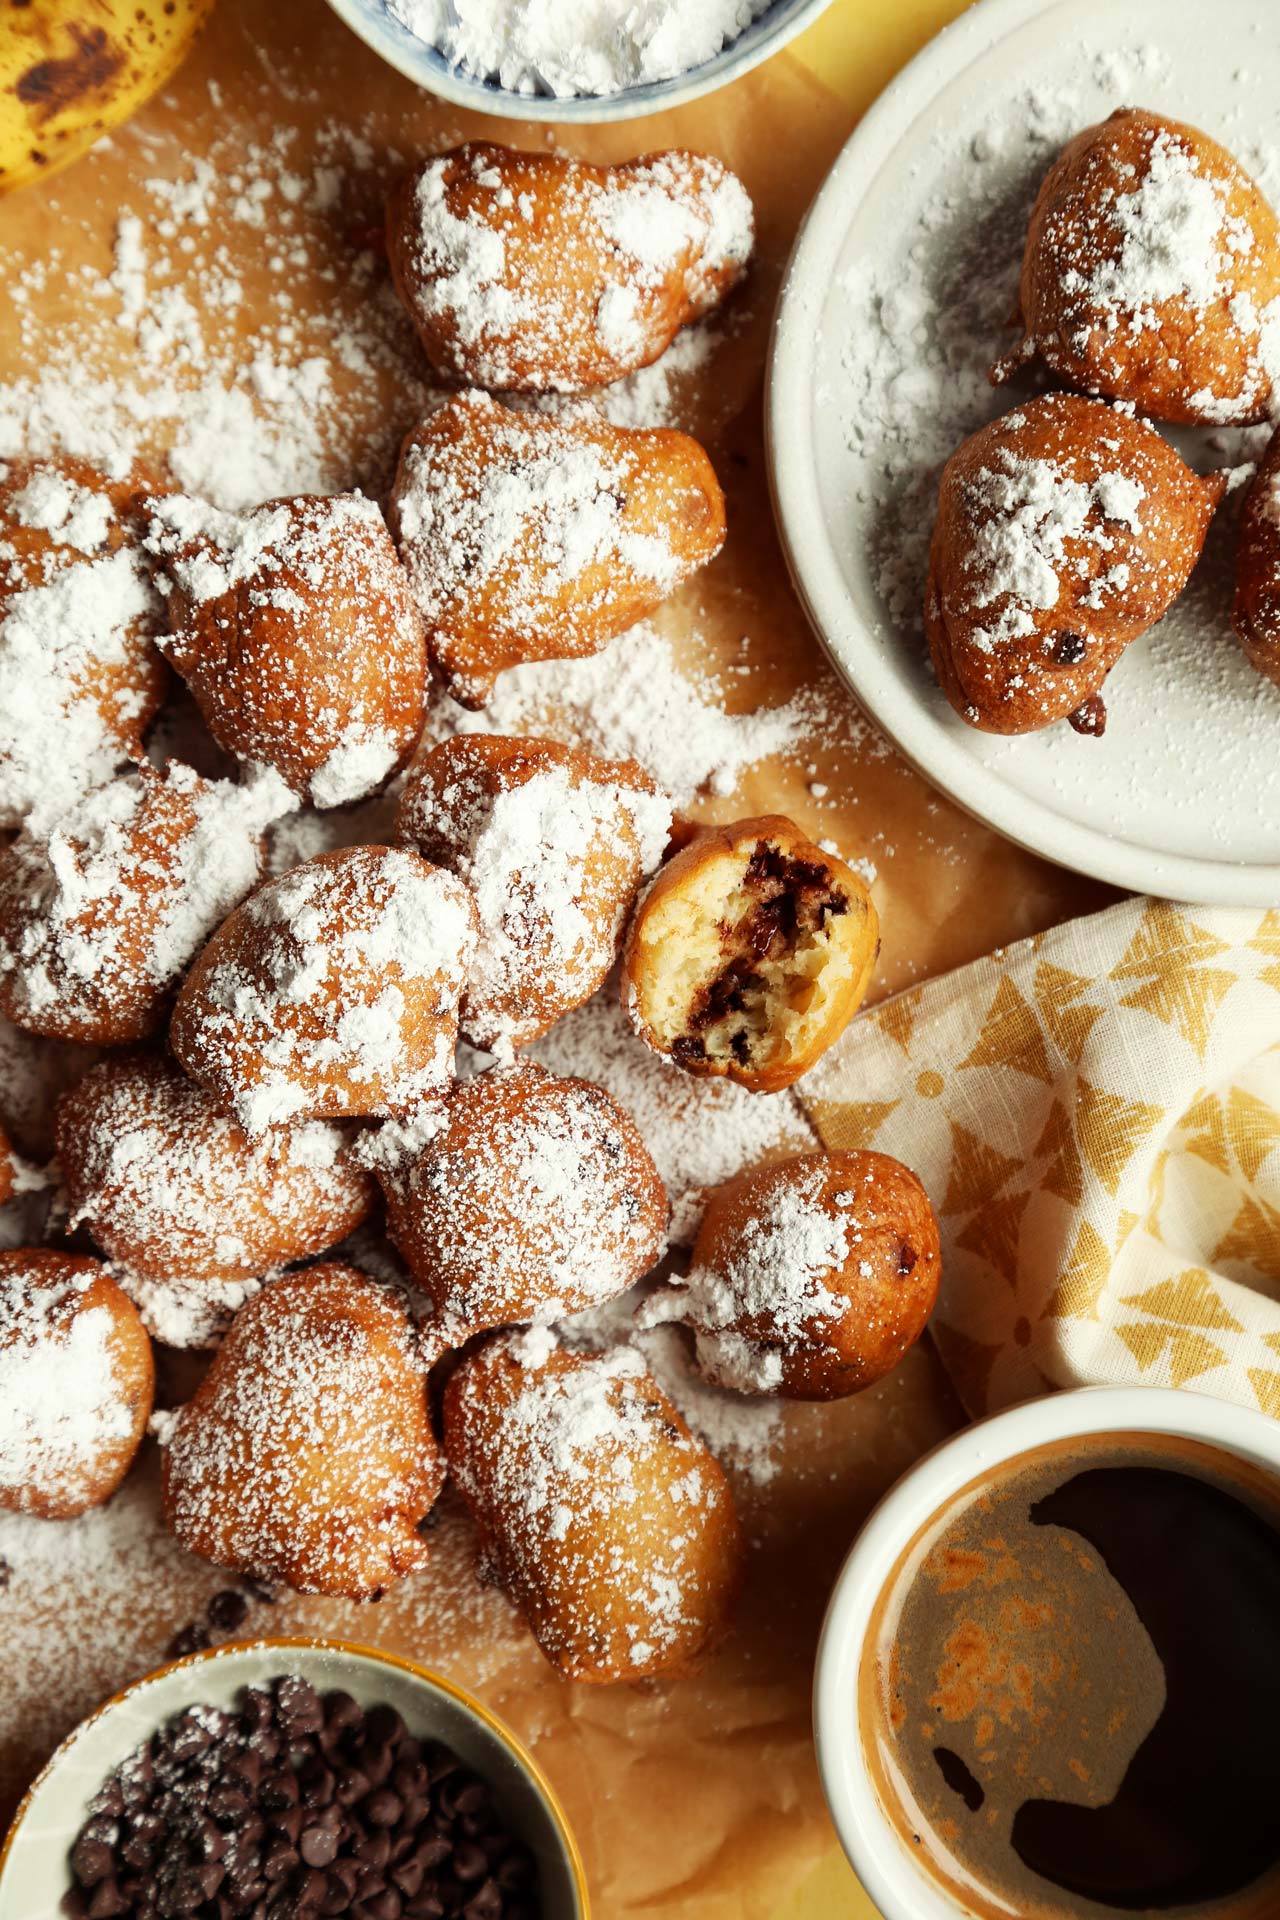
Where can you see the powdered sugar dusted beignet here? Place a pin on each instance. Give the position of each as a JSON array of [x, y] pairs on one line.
[[532, 537], [174, 1191], [1152, 274], [294, 628], [76, 1383], [79, 676], [333, 990], [554, 844], [307, 1455], [536, 1197], [610, 1525], [749, 954], [1256, 610], [811, 1278], [1065, 529], [537, 271], [101, 912]]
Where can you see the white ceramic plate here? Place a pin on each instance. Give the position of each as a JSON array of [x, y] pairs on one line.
[[892, 310]]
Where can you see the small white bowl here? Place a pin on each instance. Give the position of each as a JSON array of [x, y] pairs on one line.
[[34, 1869], [427, 66], [893, 1876]]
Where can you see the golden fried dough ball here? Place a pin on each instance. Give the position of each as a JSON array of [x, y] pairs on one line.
[[749, 954], [76, 1383], [536, 271], [294, 628], [333, 991], [536, 1197], [554, 844], [1065, 530], [532, 537], [1256, 612], [307, 1454], [175, 1192], [1152, 274], [79, 676], [610, 1525], [101, 911], [811, 1278]]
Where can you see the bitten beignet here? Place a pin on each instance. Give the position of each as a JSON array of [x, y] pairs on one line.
[[1065, 529], [538, 271], [610, 1525], [307, 1454], [535, 1198], [554, 844], [811, 1278], [532, 537], [294, 628], [333, 991], [749, 954], [76, 1383], [1152, 274]]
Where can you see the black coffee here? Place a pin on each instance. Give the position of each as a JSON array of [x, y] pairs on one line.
[[1071, 1702]]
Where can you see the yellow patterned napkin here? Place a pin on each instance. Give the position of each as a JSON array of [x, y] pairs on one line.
[[1096, 1115]]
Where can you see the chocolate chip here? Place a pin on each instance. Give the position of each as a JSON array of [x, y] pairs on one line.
[[1090, 716], [191, 1639], [318, 1846], [470, 1862], [383, 1808], [1069, 648], [907, 1257], [227, 1610], [91, 1860]]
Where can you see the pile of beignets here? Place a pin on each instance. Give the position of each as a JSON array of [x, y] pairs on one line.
[[250, 1073], [1066, 528]]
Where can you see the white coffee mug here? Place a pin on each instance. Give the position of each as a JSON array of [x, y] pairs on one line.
[[894, 1875]]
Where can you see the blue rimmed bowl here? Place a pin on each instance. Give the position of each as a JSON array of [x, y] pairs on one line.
[[427, 66]]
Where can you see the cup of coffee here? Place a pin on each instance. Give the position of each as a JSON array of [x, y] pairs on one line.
[[1048, 1684]]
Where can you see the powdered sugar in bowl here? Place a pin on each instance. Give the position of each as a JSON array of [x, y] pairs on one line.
[[582, 61]]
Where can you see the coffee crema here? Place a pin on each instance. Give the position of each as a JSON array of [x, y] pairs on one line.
[[1070, 1694]]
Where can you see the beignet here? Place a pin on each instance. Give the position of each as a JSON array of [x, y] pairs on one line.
[[294, 628], [749, 954], [554, 844], [811, 1278], [76, 1383], [79, 676], [1065, 529], [538, 271], [306, 1455], [333, 991], [101, 913], [611, 1527], [535, 1198], [1152, 274], [1255, 612], [532, 537]]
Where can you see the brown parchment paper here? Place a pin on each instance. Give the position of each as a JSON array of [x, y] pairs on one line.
[[699, 1799]]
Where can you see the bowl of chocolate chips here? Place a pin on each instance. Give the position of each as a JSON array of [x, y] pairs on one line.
[[277, 1779]]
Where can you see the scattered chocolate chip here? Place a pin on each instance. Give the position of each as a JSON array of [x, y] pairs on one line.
[[1090, 716], [907, 1257], [295, 1805], [190, 1639], [1069, 649], [227, 1610]]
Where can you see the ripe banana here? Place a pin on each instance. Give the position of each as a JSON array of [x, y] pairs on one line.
[[69, 69]]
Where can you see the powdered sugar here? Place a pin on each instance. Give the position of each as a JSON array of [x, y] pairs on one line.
[[593, 47], [632, 701]]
